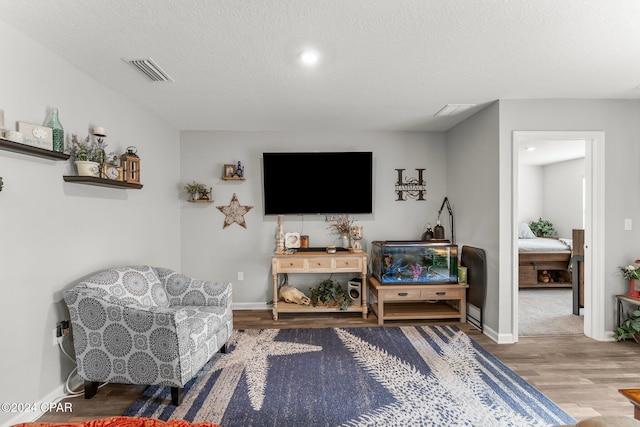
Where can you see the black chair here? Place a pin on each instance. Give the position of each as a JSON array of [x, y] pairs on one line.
[[475, 260]]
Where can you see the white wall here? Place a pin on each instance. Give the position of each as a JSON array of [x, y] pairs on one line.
[[210, 251], [553, 192], [52, 232], [619, 120], [562, 190], [530, 189]]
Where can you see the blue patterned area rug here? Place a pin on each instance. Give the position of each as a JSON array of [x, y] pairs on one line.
[[386, 376]]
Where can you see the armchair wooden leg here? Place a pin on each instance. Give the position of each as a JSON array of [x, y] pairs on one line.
[[90, 389], [176, 395]]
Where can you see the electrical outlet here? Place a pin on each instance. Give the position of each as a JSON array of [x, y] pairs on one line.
[[627, 224], [240, 275]]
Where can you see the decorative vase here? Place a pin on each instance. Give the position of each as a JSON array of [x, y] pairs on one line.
[[87, 168], [633, 291], [56, 130], [345, 241]]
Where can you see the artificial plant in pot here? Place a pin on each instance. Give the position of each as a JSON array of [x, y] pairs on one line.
[[542, 228], [329, 293], [196, 191], [630, 328], [87, 155]]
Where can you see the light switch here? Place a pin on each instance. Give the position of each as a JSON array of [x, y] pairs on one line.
[[627, 224]]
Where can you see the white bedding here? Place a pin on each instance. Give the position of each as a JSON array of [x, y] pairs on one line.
[[541, 244]]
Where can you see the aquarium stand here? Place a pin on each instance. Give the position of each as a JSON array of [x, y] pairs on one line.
[[411, 301]]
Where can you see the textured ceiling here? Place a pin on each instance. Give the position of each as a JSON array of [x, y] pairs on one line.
[[385, 65]]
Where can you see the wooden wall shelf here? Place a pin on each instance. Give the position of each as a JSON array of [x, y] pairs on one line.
[[16, 147], [200, 201], [233, 178], [102, 182]]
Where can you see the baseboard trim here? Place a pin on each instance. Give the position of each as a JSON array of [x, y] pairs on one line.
[[251, 306], [499, 338]]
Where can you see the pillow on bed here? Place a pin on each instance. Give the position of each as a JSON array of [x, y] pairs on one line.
[[524, 232]]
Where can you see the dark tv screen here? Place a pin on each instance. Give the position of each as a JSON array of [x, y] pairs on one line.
[[318, 183]]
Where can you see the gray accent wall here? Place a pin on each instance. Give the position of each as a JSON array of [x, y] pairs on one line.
[[472, 188], [618, 119], [209, 250], [51, 232]]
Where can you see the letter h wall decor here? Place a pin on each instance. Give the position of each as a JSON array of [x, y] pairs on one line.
[[414, 188]]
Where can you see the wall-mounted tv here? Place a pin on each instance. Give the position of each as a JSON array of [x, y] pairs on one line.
[[317, 183]]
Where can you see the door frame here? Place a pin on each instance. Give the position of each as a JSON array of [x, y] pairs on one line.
[[594, 225]]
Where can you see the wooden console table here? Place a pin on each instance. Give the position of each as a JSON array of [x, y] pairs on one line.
[[319, 262], [408, 302], [620, 308]]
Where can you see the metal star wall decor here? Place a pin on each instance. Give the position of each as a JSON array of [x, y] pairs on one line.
[[234, 212]]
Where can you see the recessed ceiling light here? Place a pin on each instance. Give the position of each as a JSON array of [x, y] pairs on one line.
[[530, 148], [452, 109], [309, 57]]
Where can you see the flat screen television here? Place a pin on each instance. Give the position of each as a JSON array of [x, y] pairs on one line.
[[317, 183]]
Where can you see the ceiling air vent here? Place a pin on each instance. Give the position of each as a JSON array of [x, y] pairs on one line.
[[453, 109], [149, 69]]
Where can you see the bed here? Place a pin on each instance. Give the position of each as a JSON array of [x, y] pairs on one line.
[[545, 262]]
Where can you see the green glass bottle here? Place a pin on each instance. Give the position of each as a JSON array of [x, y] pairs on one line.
[[57, 131]]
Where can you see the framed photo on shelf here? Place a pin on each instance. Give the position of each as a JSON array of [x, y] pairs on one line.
[[229, 171]]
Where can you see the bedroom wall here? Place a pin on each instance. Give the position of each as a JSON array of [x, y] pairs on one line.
[[212, 252], [553, 192], [530, 188], [619, 120], [53, 232], [563, 195]]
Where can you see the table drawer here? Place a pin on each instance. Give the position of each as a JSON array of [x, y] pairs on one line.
[[285, 265], [319, 263], [349, 263], [441, 293], [398, 295]]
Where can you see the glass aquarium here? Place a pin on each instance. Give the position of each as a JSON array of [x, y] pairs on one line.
[[402, 262]]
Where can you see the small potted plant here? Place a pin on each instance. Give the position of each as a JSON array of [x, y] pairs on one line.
[[87, 155], [631, 272], [329, 293], [629, 329], [542, 228], [196, 191]]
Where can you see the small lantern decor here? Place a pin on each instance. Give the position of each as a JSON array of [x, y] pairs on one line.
[[130, 163]]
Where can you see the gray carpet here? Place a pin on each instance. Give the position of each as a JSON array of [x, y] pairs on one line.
[[543, 312]]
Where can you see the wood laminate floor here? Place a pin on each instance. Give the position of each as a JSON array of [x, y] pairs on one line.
[[581, 375]]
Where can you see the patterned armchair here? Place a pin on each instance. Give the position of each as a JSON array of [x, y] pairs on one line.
[[147, 325]]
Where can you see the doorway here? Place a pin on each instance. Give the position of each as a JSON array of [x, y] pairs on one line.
[[593, 221], [551, 182]]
